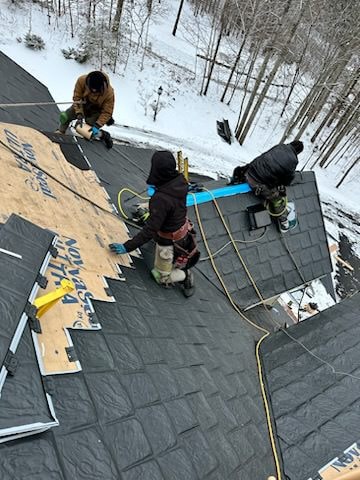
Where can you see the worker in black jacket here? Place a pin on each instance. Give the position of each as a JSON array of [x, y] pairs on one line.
[[167, 224], [269, 174]]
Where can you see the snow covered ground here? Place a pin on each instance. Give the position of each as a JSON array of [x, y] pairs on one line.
[[186, 120]]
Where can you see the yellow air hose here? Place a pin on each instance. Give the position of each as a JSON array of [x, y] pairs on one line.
[[133, 193], [236, 308]]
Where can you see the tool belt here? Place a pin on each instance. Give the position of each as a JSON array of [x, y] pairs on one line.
[[186, 253], [178, 234]]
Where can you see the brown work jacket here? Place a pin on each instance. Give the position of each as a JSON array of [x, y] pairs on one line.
[[105, 101]]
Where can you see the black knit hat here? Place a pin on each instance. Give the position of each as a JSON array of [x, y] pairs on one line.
[[297, 145], [96, 81]]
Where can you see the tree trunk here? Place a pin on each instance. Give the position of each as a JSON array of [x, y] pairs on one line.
[[146, 39], [241, 122], [89, 12], [269, 80], [344, 94], [322, 96], [209, 48], [233, 68], [305, 105], [341, 152], [71, 19], [348, 114], [348, 171], [297, 71], [260, 99], [117, 16], [213, 61], [178, 17], [346, 125], [110, 12]]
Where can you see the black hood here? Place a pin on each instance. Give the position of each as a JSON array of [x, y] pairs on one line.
[[163, 168]]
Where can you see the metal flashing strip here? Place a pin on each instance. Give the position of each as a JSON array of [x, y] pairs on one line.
[[14, 433], [24, 318], [20, 328], [12, 254], [26, 429], [3, 374], [82, 151]]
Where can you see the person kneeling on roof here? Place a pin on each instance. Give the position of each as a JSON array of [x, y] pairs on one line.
[[176, 251], [269, 174], [94, 104]]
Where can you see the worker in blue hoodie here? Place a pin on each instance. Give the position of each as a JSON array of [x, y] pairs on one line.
[[176, 251]]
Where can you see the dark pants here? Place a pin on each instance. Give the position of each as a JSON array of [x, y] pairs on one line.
[[91, 114], [275, 197]]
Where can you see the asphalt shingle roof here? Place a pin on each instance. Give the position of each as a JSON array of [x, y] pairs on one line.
[[273, 268], [18, 86], [317, 411], [165, 392], [169, 386], [23, 400]]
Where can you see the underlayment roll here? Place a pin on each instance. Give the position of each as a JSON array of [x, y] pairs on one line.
[[85, 131]]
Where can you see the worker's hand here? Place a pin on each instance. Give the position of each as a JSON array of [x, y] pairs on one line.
[[95, 130], [80, 120], [118, 248]]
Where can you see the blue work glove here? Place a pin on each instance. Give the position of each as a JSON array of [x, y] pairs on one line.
[[95, 130], [118, 248]]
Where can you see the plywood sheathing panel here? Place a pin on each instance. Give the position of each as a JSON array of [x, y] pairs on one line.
[[84, 230]]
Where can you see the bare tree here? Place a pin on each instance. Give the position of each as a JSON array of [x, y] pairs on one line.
[[348, 171], [117, 16], [178, 17]]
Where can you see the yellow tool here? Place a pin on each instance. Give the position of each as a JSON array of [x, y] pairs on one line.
[[45, 302], [183, 165]]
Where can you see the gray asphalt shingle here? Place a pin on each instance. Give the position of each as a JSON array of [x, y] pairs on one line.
[[316, 411]]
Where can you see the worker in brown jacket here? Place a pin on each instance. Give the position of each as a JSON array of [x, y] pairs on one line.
[[93, 103]]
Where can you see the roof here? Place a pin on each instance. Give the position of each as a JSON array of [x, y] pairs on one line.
[[24, 256], [13, 81], [162, 390], [169, 388], [316, 411], [278, 263], [165, 391]]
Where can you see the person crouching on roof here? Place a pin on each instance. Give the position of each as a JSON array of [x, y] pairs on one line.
[[269, 174], [93, 103], [175, 251]]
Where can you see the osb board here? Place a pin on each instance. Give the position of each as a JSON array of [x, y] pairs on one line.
[[348, 462], [84, 230]]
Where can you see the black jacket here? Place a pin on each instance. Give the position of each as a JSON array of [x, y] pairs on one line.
[[168, 204], [275, 167]]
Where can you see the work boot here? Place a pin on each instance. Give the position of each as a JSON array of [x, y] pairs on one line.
[[290, 221], [163, 280], [284, 225], [188, 284], [106, 138]]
